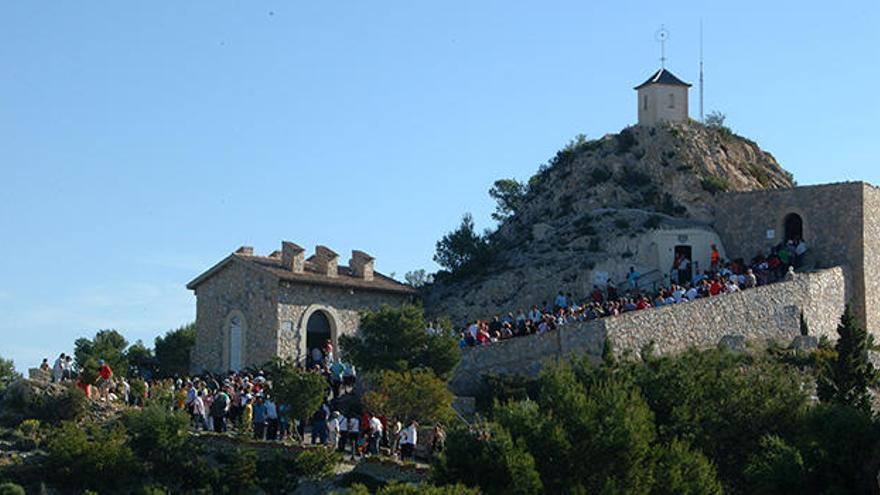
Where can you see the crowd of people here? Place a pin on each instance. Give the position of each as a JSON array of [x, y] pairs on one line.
[[243, 402], [722, 277]]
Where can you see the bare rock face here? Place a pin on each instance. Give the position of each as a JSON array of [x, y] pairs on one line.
[[591, 207]]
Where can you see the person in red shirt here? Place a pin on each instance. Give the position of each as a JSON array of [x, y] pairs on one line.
[[715, 288], [106, 374], [716, 258]]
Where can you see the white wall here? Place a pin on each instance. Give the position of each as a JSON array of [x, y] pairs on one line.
[[665, 103]]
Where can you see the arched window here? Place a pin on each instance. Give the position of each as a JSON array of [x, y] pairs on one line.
[[235, 343], [794, 227], [645, 102], [671, 100]]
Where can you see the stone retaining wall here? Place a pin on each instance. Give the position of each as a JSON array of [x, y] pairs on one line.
[[764, 313]]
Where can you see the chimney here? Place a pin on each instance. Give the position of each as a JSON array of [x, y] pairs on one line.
[[245, 251], [326, 260], [293, 257], [361, 265]]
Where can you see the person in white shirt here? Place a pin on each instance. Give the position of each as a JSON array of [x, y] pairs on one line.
[[200, 413], [691, 293], [375, 434], [58, 368], [272, 421], [409, 438], [333, 430]]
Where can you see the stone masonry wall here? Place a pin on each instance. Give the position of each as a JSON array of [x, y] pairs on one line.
[[871, 256], [341, 306], [237, 288], [769, 312], [833, 216]]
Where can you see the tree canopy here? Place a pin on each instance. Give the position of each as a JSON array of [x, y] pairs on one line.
[[410, 395], [463, 249], [173, 351], [845, 379], [107, 345], [394, 338]]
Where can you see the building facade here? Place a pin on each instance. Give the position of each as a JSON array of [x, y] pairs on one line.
[[662, 98], [250, 309]]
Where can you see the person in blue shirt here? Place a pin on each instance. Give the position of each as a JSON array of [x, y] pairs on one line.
[[633, 278]]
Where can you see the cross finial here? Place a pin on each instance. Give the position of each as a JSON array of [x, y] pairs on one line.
[[662, 35]]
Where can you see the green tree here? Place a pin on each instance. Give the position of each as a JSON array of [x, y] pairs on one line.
[[486, 456], [140, 359], [684, 471], [839, 446], [509, 195], [91, 458], [722, 404], [776, 468], [409, 395], [303, 391], [846, 379], [418, 278], [173, 351], [395, 339], [107, 345], [7, 374], [715, 119], [463, 249]]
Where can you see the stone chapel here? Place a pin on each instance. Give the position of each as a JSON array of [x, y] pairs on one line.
[[252, 308]]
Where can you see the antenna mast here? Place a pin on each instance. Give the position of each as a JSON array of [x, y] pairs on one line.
[[701, 70]]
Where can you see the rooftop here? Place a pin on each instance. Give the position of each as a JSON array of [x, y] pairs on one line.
[[663, 76]]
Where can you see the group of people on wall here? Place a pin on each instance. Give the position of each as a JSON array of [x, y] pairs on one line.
[[722, 277]]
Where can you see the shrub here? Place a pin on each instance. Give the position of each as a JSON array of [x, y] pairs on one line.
[[776, 468], [173, 350], [316, 464], [846, 379], [600, 175], [49, 403], [652, 222], [10, 488], [625, 141], [714, 184], [411, 395], [684, 471], [595, 245], [302, 391], [156, 433], [7, 374], [630, 178], [91, 458], [760, 174], [621, 224], [584, 225], [487, 457]]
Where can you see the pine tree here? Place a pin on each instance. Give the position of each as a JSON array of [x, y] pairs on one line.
[[845, 379]]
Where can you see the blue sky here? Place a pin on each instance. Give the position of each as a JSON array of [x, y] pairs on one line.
[[142, 142]]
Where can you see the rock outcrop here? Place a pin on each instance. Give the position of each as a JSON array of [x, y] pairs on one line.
[[591, 207]]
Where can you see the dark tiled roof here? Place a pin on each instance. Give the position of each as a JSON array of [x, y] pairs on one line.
[[311, 275], [663, 76]]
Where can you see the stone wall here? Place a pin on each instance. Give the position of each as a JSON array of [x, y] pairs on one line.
[[833, 217], [770, 312], [871, 240], [764, 313], [237, 289], [341, 306]]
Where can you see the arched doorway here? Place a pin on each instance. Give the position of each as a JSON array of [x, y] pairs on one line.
[[318, 332], [794, 227], [235, 342]]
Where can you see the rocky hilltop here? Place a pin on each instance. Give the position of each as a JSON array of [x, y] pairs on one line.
[[591, 207]]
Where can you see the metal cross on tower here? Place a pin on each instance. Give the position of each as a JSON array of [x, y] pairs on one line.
[[662, 35]]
